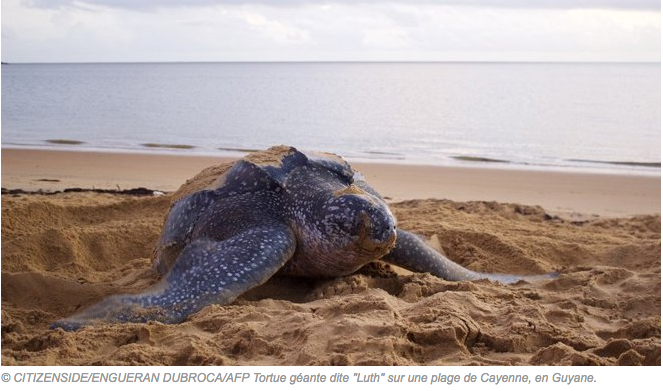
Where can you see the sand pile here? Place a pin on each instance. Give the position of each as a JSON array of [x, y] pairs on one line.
[[63, 252]]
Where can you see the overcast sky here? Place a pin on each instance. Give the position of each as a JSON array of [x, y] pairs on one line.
[[332, 30]]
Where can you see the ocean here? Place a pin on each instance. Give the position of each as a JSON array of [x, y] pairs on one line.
[[552, 116]]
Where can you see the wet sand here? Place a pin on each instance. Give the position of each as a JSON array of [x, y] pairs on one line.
[[557, 192]]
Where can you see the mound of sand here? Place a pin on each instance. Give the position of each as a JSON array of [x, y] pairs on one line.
[[63, 252]]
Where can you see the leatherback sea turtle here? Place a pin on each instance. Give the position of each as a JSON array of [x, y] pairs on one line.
[[301, 214]]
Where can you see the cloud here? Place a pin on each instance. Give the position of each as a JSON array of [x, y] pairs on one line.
[[417, 30], [531, 4], [276, 30]]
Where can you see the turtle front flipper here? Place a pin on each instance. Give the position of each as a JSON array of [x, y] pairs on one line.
[[413, 254], [206, 272]]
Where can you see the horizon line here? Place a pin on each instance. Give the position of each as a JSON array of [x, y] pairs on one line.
[[334, 61]]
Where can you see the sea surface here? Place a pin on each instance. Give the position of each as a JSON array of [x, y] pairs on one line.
[[567, 116]]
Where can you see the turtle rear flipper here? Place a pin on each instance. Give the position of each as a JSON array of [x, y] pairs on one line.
[[206, 272], [413, 254]]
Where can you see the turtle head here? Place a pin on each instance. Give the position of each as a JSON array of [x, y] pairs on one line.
[[357, 220], [343, 217]]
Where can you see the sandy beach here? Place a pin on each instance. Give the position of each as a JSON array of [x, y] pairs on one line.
[[65, 251], [606, 195]]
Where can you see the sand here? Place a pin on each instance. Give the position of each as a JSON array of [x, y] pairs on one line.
[[562, 193], [65, 251]]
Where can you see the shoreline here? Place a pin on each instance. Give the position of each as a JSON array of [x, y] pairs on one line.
[[569, 165], [565, 193]]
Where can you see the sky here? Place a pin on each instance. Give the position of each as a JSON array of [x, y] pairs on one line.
[[330, 30]]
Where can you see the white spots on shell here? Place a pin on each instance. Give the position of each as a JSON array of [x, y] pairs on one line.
[[236, 256]]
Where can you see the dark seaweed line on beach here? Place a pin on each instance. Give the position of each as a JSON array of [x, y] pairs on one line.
[[638, 164], [151, 145], [480, 159], [64, 141], [138, 191]]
